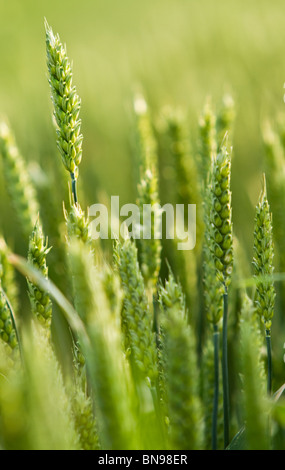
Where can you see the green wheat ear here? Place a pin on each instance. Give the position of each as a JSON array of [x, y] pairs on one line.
[[263, 260], [40, 300], [17, 180], [66, 104], [263, 254], [221, 216], [85, 425], [78, 225], [212, 288], [150, 249], [148, 194], [7, 329]]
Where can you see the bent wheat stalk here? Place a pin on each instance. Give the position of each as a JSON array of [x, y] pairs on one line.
[[221, 219]]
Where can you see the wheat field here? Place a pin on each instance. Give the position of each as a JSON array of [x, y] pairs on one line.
[[120, 343]]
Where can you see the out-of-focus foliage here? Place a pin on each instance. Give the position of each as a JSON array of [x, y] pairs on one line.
[[178, 52]]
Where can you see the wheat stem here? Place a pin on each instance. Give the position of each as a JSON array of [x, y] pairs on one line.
[[269, 361], [216, 336], [73, 187], [225, 369]]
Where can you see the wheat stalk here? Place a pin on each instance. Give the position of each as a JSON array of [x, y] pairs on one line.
[[222, 246], [263, 266], [66, 104]]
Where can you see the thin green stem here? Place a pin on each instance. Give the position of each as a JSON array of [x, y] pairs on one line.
[[216, 335], [269, 361], [73, 187], [225, 370]]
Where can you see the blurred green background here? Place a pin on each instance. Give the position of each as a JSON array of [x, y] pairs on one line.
[[177, 51]]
